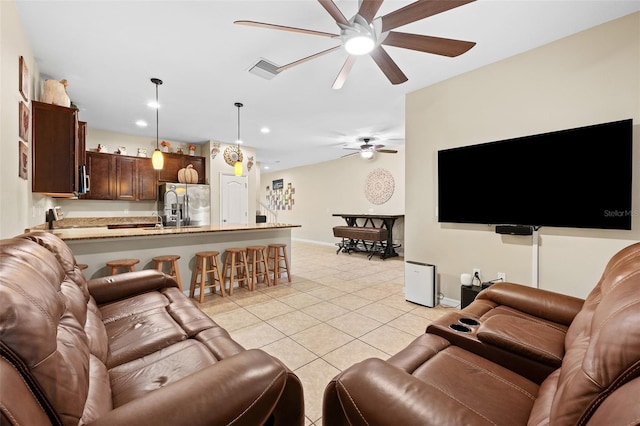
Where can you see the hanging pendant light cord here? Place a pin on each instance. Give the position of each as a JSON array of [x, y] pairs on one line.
[[157, 118]]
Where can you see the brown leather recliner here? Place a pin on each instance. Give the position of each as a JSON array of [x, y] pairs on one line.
[[129, 349], [435, 382]]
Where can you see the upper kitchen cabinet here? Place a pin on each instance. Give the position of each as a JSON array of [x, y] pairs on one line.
[[56, 150], [174, 162], [120, 177]]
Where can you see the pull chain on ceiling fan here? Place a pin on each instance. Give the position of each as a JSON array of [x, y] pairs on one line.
[[374, 33]]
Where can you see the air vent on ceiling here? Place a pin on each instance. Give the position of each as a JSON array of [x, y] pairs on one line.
[[264, 69]]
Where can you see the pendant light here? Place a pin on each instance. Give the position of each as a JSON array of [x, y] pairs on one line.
[[237, 167], [157, 159]]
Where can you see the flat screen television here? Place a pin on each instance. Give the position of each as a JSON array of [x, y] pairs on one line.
[[577, 178]]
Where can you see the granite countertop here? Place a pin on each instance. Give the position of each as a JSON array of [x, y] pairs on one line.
[[100, 232]]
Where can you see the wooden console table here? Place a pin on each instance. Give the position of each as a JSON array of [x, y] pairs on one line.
[[384, 221]]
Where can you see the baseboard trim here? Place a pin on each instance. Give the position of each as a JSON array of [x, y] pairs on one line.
[[450, 303]]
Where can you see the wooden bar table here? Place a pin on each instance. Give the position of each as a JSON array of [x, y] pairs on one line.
[[368, 219]]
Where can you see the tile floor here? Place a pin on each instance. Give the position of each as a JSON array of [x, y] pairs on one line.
[[337, 310]]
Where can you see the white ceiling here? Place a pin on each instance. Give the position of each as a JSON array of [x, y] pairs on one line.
[[109, 50]]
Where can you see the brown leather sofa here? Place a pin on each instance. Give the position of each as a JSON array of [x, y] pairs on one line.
[[591, 349], [129, 349]]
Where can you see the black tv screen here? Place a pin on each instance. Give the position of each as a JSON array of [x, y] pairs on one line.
[[577, 178]]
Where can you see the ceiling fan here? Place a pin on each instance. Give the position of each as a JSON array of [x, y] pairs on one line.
[[365, 34], [367, 150]]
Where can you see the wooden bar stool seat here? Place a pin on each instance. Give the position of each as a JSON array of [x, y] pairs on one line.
[[202, 271], [276, 256], [82, 266], [128, 264], [172, 261], [236, 269], [257, 261]]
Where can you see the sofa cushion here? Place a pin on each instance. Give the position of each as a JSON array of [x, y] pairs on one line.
[[143, 375], [140, 334], [453, 387]]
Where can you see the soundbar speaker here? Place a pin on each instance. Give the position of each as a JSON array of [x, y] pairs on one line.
[[514, 229]]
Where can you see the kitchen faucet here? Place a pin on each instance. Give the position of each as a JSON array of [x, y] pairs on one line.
[[159, 223]]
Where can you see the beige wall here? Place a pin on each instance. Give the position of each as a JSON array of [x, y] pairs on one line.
[[19, 209], [588, 78], [337, 187]]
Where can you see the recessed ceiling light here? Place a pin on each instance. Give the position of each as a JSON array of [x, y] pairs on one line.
[[141, 123], [266, 167], [153, 104], [265, 130]]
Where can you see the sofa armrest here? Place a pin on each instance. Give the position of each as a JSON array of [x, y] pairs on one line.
[[376, 392], [240, 390], [120, 286], [531, 339], [555, 307]]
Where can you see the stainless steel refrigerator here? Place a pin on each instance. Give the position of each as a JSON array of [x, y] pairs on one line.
[[191, 203]]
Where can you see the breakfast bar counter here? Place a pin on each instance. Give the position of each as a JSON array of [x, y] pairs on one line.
[[96, 245]]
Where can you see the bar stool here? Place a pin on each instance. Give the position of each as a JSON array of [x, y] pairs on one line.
[[122, 263], [257, 261], [276, 254], [201, 271], [82, 266], [235, 263], [172, 259]]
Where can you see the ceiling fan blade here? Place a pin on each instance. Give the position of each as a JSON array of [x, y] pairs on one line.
[[388, 66], [387, 151], [333, 10], [418, 10], [436, 45], [344, 72], [285, 28], [308, 58], [369, 8]]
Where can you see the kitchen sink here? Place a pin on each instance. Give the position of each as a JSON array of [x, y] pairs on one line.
[[131, 225]]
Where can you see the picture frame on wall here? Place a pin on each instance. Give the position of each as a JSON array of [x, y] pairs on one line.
[[23, 78], [23, 122], [23, 160]]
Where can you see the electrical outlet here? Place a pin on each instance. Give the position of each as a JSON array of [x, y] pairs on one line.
[[476, 271], [502, 276]]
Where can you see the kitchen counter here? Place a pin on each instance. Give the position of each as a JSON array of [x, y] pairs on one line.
[[103, 232], [93, 243]]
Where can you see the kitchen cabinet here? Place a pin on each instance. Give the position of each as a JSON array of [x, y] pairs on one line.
[[56, 152], [174, 162], [102, 175], [120, 177]]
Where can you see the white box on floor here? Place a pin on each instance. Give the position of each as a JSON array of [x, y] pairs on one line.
[[420, 283]]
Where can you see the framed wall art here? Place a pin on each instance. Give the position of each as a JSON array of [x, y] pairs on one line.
[[23, 122], [24, 79], [23, 159]]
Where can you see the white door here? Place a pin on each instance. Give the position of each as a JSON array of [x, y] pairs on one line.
[[234, 200]]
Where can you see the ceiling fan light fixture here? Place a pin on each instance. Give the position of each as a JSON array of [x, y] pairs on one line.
[[358, 37], [359, 45], [366, 154]]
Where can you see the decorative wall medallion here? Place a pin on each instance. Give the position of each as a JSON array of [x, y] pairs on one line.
[[232, 154], [379, 186]]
